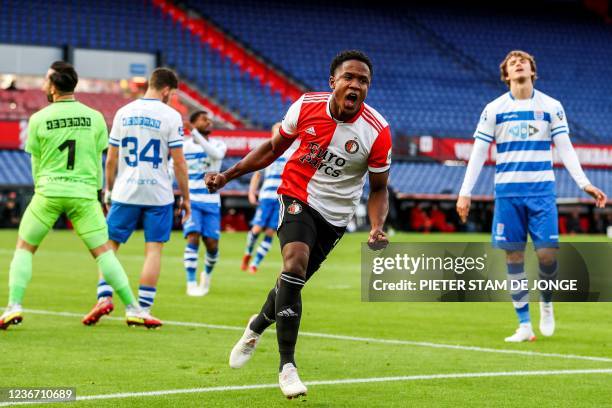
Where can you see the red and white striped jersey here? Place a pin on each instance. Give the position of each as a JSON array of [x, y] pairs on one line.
[[328, 168]]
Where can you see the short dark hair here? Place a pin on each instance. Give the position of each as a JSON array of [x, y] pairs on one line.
[[347, 56], [163, 77], [64, 77], [195, 115]]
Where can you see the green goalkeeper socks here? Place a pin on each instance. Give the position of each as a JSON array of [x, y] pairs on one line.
[[115, 275], [19, 275]]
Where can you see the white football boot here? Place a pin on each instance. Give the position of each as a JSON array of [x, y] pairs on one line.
[[205, 279], [244, 349], [193, 289], [523, 333], [547, 319], [290, 383]]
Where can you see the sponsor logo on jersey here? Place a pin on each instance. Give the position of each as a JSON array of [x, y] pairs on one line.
[[538, 115], [351, 146], [323, 160], [294, 208], [523, 130]]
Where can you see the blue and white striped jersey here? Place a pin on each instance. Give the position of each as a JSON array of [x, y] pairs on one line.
[[272, 178], [523, 130], [203, 158]]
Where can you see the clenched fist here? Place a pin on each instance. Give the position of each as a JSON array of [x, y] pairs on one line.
[[215, 181]]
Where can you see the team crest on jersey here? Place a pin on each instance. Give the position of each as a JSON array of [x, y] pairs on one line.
[[351, 146], [483, 117], [500, 229], [538, 115], [295, 208]]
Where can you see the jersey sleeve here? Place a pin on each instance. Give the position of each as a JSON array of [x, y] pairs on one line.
[[32, 144], [176, 131], [115, 133], [289, 125], [380, 156], [558, 122], [486, 127]]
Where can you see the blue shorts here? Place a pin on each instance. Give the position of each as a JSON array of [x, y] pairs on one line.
[[515, 216], [266, 215], [123, 218], [205, 220]]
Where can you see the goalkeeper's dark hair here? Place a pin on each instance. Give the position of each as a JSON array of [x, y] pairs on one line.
[[163, 77], [347, 56], [64, 77], [195, 115]]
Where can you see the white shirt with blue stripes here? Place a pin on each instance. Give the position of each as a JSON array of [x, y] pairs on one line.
[[202, 156], [523, 130]]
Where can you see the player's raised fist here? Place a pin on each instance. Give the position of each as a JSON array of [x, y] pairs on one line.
[[378, 239], [215, 181]]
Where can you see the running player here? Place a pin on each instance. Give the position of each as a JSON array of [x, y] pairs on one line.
[[203, 155], [340, 140], [65, 140], [523, 123], [145, 133], [266, 215]]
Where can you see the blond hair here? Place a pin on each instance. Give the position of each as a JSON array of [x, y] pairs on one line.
[[522, 54]]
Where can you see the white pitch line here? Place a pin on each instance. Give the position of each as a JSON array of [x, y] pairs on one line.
[[361, 339], [338, 382]]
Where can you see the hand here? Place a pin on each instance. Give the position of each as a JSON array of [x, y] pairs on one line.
[[107, 200], [253, 198], [463, 208], [215, 181], [378, 239], [186, 206], [600, 197]]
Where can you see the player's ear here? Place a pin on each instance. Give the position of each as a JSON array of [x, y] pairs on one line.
[[332, 82]]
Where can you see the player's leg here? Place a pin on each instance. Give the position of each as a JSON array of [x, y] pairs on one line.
[[191, 233], [510, 233], [90, 225], [120, 222], [544, 231], [38, 219], [252, 237], [211, 228], [270, 220], [157, 223]]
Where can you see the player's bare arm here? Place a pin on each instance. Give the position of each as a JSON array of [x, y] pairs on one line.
[[253, 187], [257, 159], [182, 179], [112, 159], [378, 207]]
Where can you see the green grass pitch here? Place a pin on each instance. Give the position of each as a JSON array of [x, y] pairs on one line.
[[110, 358]]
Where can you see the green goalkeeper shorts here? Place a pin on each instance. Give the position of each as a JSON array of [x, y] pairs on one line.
[[85, 214]]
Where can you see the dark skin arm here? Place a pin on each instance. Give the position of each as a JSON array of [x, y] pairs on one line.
[[257, 159], [378, 207]]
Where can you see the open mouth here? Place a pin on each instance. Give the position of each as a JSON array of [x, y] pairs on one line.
[[351, 99]]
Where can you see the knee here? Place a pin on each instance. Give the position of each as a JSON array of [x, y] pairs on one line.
[[193, 239], [212, 245], [296, 263], [515, 257], [546, 257]]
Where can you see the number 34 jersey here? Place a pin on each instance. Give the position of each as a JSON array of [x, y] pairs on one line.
[[144, 131], [66, 140]]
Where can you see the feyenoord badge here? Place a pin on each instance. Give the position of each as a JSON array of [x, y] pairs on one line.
[[294, 208], [351, 146]]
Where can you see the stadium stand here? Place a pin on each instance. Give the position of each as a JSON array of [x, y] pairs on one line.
[[435, 69], [141, 28]]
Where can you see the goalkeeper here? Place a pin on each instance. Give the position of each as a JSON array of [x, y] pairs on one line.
[[65, 140]]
